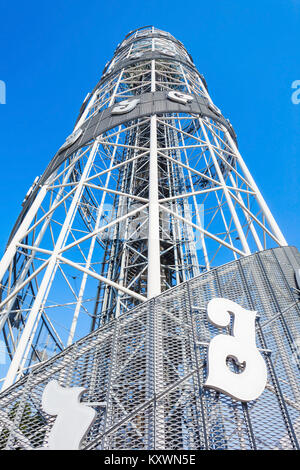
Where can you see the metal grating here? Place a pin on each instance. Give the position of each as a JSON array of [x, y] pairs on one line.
[[144, 372]]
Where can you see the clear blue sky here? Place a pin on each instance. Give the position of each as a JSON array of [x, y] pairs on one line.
[[53, 53]]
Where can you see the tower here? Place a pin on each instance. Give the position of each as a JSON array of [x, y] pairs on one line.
[[145, 213]]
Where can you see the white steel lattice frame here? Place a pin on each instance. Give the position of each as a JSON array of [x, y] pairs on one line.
[[146, 203]]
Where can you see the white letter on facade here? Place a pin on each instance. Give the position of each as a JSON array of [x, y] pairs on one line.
[[179, 97], [125, 106], [251, 381], [74, 419]]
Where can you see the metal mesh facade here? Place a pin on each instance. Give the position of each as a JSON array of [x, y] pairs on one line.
[[144, 372]]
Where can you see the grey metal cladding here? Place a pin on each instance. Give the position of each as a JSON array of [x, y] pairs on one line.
[[150, 103], [194, 418]]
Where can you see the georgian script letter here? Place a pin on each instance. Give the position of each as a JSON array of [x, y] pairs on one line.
[[125, 106], [248, 383], [74, 419], [182, 98]]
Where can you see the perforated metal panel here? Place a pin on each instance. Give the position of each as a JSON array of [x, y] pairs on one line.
[[144, 372]]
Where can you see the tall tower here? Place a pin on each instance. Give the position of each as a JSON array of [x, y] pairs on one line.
[[147, 195]]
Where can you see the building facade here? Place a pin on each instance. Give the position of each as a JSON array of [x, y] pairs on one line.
[[146, 214]]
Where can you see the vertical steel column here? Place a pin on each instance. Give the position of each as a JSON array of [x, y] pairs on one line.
[[154, 283]]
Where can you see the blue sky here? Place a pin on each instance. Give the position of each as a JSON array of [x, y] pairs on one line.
[[53, 53]]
